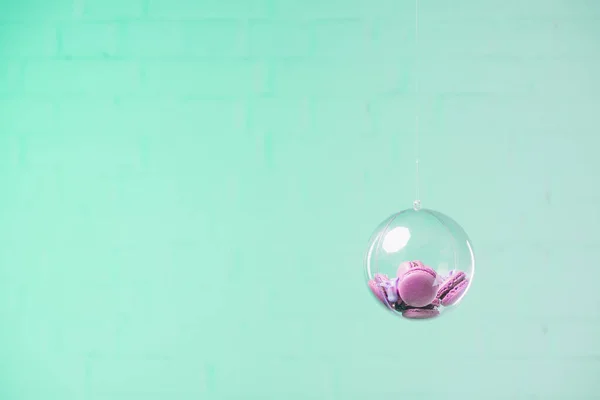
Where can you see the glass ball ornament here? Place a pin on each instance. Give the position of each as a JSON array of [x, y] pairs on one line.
[[419, 263]]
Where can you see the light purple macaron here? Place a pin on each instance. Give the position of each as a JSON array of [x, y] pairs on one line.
[[418, 286], [453, 288], [390, 289]]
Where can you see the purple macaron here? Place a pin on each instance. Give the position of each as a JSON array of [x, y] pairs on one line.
[[384, 289], [407, 265], [453, 288], [391, 290], [377, 291], [418, 286], [376, 285], [420, 313]]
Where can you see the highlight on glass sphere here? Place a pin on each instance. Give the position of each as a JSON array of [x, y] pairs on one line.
[[419, 263]]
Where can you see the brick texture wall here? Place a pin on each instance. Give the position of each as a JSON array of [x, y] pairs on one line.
[[187, 187]]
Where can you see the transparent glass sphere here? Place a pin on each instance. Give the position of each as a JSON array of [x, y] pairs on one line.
[[419, 263]]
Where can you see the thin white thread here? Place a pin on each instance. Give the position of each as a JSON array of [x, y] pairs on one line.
[[417, 202]]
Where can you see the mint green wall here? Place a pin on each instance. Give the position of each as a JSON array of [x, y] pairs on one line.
[[187, 188]]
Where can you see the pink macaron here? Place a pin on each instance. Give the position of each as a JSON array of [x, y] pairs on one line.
[[377, 291], [453, 288], [418, 286], [406, 265], [420, 313], [383, 288]]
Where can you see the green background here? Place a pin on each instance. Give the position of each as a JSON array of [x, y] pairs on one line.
[[187, 188]]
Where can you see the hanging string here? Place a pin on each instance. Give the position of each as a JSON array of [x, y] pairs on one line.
[[417, 202]]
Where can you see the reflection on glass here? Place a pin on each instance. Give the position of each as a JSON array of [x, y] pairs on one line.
[[396, 239]]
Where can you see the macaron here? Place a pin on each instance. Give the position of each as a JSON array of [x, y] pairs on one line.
[[406, 265], [384, 289], [418, 286], [377, 291], [376, 284], [453, 288], [381, 279], [420, 313]]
